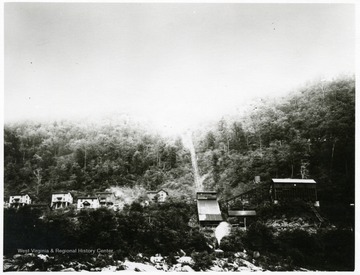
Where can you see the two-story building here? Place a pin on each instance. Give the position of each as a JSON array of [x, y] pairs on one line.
[[19, 200], [61, 200]]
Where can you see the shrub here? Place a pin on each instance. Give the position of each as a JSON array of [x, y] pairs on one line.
[[203, 260], [195, 241], [259, 236], [233, 242]]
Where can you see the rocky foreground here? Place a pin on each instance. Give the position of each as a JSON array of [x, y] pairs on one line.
[[41, 262]]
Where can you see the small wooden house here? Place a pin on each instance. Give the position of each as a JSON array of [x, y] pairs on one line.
[[106, 199], [88, 202], [19, 200], [158, 196], [61, 200]]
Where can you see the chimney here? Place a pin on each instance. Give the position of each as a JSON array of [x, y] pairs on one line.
[[257, 179]]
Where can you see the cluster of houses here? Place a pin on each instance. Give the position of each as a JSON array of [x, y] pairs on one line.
[[62, 200], [240, 209]]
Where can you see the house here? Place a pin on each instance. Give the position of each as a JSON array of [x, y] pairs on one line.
[[290, 189], [106, 199], [242, 218], [61, 200], [158, 196], [19, 200], [88, 202], [209, 213]]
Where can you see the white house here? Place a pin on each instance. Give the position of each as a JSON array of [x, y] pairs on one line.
[[61, 200], [159, 196], [88, 202], [19, 200], [106, 199]]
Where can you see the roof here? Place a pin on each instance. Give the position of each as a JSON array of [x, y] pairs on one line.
[[61, 192], [155, 192], [206, 195], [105, 193], [241, 213], [210, 217], [206, 192], [292, 181], [88, 198], [209, 210]]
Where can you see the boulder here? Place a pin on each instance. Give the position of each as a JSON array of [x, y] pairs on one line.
[[109, 268], [69, 269], [240, 255], [156, 259], [175, 268], [187, 268], [9, 267], [256, 254], [138, 266], [216, 268], [43, 257], [186, 260]]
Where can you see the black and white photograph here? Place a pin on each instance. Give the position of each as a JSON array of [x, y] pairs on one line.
[[179, 136]]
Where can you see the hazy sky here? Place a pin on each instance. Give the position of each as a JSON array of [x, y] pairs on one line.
[[172, 63]]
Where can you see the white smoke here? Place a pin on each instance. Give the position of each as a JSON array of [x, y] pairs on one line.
[[188, 142], [222, 230]]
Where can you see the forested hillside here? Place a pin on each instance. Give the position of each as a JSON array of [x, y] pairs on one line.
[[309, 133], [41, 158]]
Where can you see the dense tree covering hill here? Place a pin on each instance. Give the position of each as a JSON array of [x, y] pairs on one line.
[[45, 157], [309, 133]]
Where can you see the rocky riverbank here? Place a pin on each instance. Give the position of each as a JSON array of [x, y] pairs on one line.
[[42, 262]]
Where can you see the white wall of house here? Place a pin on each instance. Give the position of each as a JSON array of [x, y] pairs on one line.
[[61, 200], [20, 200], [106, 199], [93, 203], [162, 196]]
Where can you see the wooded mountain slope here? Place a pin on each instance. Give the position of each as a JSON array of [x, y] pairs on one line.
[[311, 131]]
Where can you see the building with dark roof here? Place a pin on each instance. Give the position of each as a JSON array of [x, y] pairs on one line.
[[209, 213], [291, 189]]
